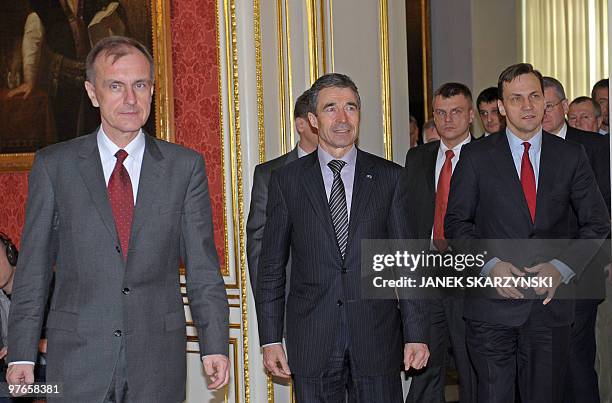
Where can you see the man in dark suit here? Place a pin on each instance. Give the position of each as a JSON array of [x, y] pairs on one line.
[[527, 193], [429, 168], [95, 210], [320, 208], [259, 194], [581, 384]]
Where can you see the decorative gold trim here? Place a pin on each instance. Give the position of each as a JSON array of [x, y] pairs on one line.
[[426, 56], [289, 75], [261, 130], [225, 270], [331, 35], [270, 389], [385, 72], [280, 60], [164, 94], [237, 182], [162, 51], [313, 56], [323, 47]]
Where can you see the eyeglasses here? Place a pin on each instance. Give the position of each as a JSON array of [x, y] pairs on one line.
[[550, 107]]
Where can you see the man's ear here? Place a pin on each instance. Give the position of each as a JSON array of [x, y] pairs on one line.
[[500, 106], [313, 120], [565, 106], [91, 93]]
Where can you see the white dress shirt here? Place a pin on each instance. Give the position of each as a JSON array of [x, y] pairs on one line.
[[132, 163]]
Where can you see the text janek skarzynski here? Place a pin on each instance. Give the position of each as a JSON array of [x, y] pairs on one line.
[[405, 260]]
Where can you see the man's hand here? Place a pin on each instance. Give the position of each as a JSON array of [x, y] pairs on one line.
[[42, 346], [275, 361], [415, 355], [545, 271], [216, 367], [24, 90], [504, 270], [20, 374]]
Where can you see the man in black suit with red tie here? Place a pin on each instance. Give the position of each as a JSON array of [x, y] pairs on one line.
[[321, 207], [521, 184], [429, 168]]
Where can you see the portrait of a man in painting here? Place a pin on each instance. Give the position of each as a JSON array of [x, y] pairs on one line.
[[43, 46]]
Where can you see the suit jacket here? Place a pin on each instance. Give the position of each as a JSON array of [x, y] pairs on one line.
[[420, 172], [486, 201], [325, 290], [257, 211], [592, 283], [100, 300]]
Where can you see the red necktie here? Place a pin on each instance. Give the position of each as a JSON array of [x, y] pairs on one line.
[[122, 200], [528, 181], [442, 201]]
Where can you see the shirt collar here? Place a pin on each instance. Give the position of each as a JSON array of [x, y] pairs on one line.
[[324, 157], [108, 149], [301, 152], [457, 148], [516, 142], [562, 131]]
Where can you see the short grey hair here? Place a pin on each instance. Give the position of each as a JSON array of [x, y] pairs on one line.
[[115, 47], [550, 82], [328, 81]]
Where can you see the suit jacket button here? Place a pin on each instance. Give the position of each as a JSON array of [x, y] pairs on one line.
[[117, 333], [339, 303], [126, 291], [118, 249], [344, 270]]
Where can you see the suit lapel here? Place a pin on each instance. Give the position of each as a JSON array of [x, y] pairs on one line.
[[362, 189], [315, 191], [429, 195], [91, 171], [501, 159], [429, 166], [148, 186], [292, 155], [546, 175]]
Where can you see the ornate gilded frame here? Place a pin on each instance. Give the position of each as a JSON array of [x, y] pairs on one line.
[[164, 98]]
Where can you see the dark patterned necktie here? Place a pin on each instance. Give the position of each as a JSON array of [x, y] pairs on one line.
[[122, 200], [337, 205]]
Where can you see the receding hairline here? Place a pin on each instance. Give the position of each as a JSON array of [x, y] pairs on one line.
[[116, 48]]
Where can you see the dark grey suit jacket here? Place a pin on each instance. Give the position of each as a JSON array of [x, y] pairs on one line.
[[100, 301], [257, 211], [325, 288]]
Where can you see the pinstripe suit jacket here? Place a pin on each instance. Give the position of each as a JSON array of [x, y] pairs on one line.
[[322, 284]]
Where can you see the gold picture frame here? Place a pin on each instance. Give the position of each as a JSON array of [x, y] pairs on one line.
[[164, 97]]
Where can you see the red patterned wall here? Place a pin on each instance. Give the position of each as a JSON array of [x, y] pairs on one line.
[[196, 94], [196, 105]]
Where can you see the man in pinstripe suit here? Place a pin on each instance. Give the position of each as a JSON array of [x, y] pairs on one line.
[[320, 207]]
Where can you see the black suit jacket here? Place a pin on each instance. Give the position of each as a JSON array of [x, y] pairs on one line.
[[592, 283], [486, 201], [257, 211], [420, 170], [325, 290]]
